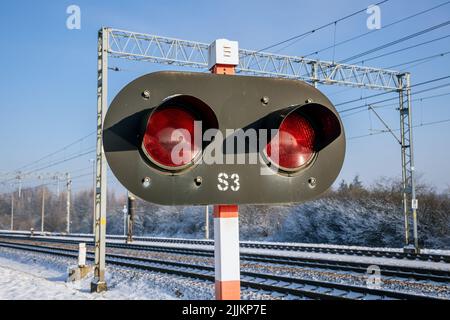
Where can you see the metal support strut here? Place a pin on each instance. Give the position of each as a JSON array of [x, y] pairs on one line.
[[408, 180], [226, 217], [68, 204], [207, 222], [12, 210], [130, 216], [99, 283]]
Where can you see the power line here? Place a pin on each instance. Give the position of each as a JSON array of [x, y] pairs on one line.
[[292, 43], [382, 93], [389, 44], [403, 49], [415, 126], [57, 151], [319, 28], [63, 161], [417, 99], [390, 99], [374, 30], [395, 104], [420, 59], [390, 91], [54, 163]]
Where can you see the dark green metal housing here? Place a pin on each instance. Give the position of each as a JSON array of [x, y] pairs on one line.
[[225, 102]]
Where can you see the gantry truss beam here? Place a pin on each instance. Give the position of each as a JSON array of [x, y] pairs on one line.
[[163, 50]]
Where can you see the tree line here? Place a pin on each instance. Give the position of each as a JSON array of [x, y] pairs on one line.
[[351, 214]]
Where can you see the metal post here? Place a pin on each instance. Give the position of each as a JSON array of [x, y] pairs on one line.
[[99, 284], [125, 218], [12, 210], [403, 155], [226, 217], [226, 252], [408, 181], [314, 75], [69, 188], [20, 184], [131, 210], [207, 223], [57, 185], [82, 254], [414, 201], [43, 209], [93, 195]]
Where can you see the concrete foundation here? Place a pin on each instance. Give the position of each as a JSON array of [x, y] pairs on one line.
[[79, 272], [98, 286]]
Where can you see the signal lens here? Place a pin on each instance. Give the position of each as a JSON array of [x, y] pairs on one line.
[[169, 137], [293, 147]]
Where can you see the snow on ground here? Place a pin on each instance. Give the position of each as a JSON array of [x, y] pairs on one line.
[[35, 276], [139, 240], [428, 265], [311, 255]]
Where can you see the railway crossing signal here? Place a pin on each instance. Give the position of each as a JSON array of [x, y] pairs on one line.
[[177, 138], [182, 138], [163, 184]]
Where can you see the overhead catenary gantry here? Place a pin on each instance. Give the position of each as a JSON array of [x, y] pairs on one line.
[[163, 50]]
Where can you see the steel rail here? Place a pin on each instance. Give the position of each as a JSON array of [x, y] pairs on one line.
[[303, 262], [272, 246], [302, 288]]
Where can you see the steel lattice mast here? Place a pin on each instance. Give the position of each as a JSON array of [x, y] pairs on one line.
[[137, 46]]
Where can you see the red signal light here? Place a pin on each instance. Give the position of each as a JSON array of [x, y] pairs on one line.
[[169, 137], [294, 143]]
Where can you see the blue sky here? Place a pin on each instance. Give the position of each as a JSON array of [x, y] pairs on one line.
[[48, 73]]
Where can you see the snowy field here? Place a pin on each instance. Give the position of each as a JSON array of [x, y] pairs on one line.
[[27, 275], [33, 276], [36, 276]]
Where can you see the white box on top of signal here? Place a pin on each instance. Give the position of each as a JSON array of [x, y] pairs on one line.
[[223, 51]]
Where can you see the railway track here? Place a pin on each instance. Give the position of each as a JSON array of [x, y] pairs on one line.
[[388, 272], [295, 288], [269, 246]]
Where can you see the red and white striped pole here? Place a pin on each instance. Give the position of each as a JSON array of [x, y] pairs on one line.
[[226, 252], [223, 59]]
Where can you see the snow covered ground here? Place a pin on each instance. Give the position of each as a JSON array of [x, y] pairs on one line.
[[32, 276], [310, 255], [319, 255], [36, 276]]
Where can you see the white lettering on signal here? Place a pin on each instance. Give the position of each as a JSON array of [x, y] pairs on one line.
[[236, 185], [224, 185]]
